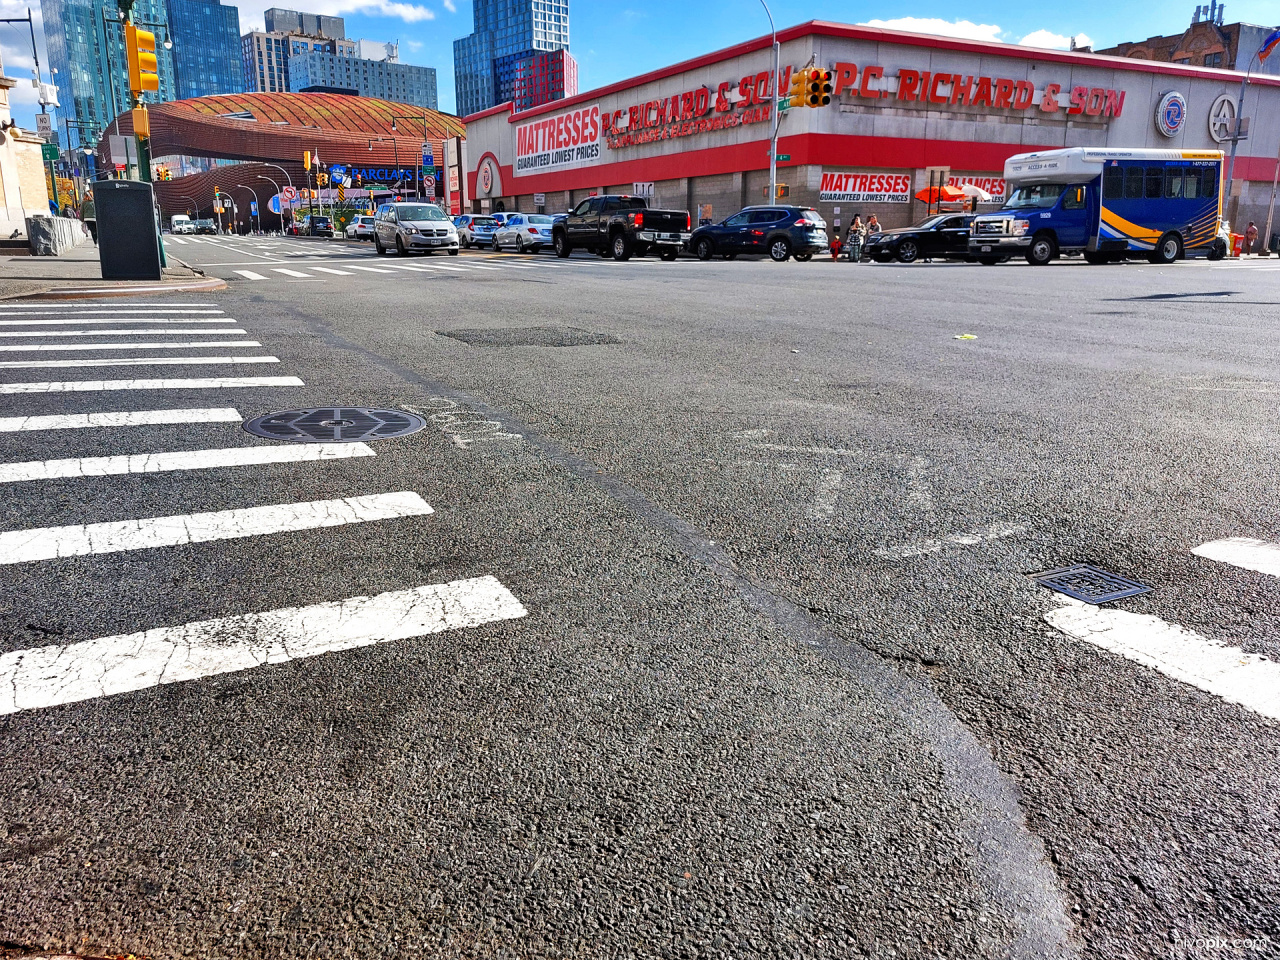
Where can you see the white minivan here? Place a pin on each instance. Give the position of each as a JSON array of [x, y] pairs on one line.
[[181, 223]]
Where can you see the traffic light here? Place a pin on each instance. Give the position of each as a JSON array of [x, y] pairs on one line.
[[359, 181], [144, 72], [796, 91], [817, 90], [306, 159], [322, 179]]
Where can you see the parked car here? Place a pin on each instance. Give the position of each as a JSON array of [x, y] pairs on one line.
[[206, 226], [361, 228], [780, 231], [621, 226], [414, 226], [525, 232], [475, 230], [314, 225], [181, 223], [945, 235]]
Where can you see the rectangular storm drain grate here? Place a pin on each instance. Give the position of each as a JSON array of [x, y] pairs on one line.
[[1090, 584], [530, 337]]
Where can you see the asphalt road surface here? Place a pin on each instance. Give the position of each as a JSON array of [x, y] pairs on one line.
[[698, 621]]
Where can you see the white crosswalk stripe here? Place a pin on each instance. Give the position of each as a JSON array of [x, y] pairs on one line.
[[82, 321], [189, 383], [44, 347], [291, 273], [50, 676], [196, 332], [179, 460], [355, 266], [122, 418], [131, 362], [250, 275], [336, 273]]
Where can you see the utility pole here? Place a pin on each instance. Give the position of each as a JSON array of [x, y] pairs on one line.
[[773, 141]]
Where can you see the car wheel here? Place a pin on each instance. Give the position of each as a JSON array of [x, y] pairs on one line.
[[1217, 250], [780, 250], [519, 244], [803, 257], [377, 245], [466, 242], [669, 255], [561, 243], [621, 247], [1167, 249], [704, 249], [908, 251], [1042, 250], [400, 246]]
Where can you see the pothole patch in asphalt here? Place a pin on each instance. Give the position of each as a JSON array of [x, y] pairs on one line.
[[530, 337]]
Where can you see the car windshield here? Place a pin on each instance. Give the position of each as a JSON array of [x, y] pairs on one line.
[[539, 218], [484, 222], [419, 211], [1033, 196], [931, 222]]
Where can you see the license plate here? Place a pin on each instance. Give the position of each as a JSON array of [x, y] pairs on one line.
[[986, 249], [436, 243]]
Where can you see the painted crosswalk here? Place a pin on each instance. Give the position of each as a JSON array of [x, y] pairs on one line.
[[1213, 665], [34, 679], [340, 263]]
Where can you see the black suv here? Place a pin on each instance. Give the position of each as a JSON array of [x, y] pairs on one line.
[[781, 232], [317, 226]]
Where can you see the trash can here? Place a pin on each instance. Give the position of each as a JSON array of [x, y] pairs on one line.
[[128, 244], [1237, 244]]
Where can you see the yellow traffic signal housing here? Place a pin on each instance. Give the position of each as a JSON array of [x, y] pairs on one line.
[[796, 91], [306, 159], [817, 88], [144, 70]]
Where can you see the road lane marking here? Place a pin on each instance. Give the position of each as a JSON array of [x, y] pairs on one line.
[[180, 460], [250, 275], [996, 531], [441, 266], [181, 243], [1228, 672], [80, 321], [368, 269], [129, 362], [198, 332], [31, 347], [50, 676], [139, 308], [1243, 552], [127, 418], [49, 543], [291, 273], [191, 383], [336, 273]]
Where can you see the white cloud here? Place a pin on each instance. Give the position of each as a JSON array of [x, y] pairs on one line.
[[450, 6], [1054, 41], [413, 45], [964, 29]]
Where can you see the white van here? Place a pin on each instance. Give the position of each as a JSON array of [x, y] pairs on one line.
[[181, 223]]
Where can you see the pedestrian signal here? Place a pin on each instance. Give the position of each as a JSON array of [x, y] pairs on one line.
[[817, 90], [795, 95], [144, 72]]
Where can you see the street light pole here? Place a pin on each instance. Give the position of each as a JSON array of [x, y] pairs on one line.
[[241, 186], [773, 142], [277, 187], [1235, 134], [289, 180]]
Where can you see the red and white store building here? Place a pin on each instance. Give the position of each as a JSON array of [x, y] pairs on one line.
[[907, 107]]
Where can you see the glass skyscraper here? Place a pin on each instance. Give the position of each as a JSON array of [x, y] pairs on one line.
[[86, 47], [508, 34], [206, 48]]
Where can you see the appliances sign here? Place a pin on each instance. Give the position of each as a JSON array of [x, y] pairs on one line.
[[865, 188], [559, 143]]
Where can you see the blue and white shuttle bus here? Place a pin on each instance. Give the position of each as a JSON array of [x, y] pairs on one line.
[[1107, 204]]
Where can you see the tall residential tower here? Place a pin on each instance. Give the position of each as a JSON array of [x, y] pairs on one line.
[[506, 58]]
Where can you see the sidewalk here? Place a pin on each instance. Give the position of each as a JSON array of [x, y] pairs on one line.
[[78, 273]]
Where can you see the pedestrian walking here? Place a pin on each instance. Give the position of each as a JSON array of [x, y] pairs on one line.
[[854, 238], [89, 215], [1250, 237]]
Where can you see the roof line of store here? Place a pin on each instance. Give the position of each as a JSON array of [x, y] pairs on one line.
[[900, 37]]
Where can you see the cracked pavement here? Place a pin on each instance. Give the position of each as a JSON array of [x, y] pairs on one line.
[[782, 686]]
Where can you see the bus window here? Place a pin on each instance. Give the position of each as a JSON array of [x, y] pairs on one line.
[[1191, 184], [1155, 183], [1113, 183], [1133, 183], [1172, 183], [1209, 182]]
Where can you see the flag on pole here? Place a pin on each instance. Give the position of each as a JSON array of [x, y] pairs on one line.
[[1269, 44]]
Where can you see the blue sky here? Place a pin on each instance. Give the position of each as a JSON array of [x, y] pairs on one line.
[[614, 40]]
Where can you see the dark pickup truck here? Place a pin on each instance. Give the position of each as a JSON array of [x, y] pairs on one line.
[[621, 226]]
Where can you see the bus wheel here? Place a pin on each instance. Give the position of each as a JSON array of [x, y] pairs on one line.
[[1168, 249], [1042, 250]]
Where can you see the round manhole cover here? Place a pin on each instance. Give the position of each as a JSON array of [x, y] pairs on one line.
[[335, 425]]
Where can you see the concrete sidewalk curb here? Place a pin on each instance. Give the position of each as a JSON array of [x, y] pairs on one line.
[[205, 285]]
